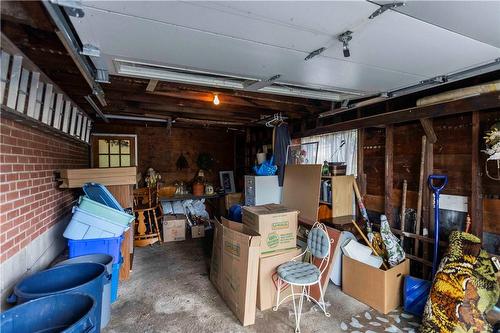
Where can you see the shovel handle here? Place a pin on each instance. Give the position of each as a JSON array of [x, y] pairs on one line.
[[442, 178]]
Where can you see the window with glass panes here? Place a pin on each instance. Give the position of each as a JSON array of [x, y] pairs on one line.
[[113, 152]]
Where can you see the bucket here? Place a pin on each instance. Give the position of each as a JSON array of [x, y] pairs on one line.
[[107, 261], [415, 294], [68, 313], [85, 278]]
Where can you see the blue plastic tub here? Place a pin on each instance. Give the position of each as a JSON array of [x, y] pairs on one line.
[[101, 194], [115, 280], [107, 261], [85, 278], [68, 313], [85, 225], [109, 246], [109, 213]]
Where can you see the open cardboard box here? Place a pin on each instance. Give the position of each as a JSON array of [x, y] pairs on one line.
[[380, 289], [235, 266]]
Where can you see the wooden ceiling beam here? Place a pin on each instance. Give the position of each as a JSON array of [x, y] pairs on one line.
[[179, 102], [172, 87], [464, 105]]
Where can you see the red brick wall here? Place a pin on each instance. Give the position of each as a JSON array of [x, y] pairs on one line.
[[30, 200]]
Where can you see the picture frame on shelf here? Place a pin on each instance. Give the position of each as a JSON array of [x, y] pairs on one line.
[[227, 181]]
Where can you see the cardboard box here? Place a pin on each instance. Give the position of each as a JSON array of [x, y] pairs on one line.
[[268, 278], [174, 228], [382, 290], [240, 268], [276, 224], [216, 260], [198, 231]]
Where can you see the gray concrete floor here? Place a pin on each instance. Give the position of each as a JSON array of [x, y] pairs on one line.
[[169, 291]]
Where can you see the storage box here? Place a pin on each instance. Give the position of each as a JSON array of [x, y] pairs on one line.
[[85, 225], [198, 231], [240, 266], [216, 260], [382, 290], [104, 211], [72, 178], [83, 247], [268, 277], [174, 228], [276, 224], [261, 190]]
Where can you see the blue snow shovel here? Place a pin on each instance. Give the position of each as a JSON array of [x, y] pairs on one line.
[[417, 290]]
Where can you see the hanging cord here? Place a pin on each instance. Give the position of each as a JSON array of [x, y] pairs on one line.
[[342, 144]]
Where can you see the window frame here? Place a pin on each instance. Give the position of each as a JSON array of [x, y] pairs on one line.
[[105, 136]]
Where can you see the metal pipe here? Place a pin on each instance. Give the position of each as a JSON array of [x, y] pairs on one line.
[[138, 118], [96, 108]]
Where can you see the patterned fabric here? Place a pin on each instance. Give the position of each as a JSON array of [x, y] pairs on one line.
[[464, 289], [318, 243], [297, 272], [395, 252]]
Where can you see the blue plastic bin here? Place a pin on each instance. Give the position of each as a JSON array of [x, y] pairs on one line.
[[109, 213], [68, 313], [107, 261], [109, 246], [101, 194], [85, 225], [85, 278], [115, 280]]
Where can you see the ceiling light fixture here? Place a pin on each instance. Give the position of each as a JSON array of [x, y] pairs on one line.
[[216, 100], [345, 38], [173, 74]]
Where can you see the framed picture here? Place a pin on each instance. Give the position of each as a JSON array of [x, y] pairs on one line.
[[302, 153], [227, 181]]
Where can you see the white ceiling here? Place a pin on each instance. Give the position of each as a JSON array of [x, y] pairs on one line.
[[260, 39]]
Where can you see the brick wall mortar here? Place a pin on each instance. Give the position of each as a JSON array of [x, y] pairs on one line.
[[30, 200]]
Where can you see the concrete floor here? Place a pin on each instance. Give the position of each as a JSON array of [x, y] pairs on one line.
[[169, 291]]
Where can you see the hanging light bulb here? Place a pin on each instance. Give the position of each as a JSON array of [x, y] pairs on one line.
[[216, 100]]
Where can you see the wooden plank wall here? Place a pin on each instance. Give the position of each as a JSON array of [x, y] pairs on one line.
[[451, 156]]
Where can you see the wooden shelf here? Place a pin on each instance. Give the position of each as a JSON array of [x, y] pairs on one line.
[[325, 203]]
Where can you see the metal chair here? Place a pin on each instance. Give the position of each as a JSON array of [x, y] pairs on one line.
[[305, 274]]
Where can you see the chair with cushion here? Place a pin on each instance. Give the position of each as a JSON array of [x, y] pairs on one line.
[[303, 275]]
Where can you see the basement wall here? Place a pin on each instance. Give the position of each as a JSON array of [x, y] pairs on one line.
[[159, 149], [33, 210]]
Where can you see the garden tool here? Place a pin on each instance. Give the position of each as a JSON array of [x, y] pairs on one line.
[[417, 290]]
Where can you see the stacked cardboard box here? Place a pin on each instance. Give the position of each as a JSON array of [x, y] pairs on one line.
[[277, 226], [245, 257], [234, 267]]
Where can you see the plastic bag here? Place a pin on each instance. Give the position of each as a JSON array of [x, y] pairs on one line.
[[267, 168]]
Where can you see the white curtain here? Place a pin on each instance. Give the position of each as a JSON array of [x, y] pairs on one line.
[[330, 149]]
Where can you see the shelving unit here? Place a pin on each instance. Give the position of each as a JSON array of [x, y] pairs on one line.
[[341, 203]]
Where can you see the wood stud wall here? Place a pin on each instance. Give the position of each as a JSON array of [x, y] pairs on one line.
[[389, 155]]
